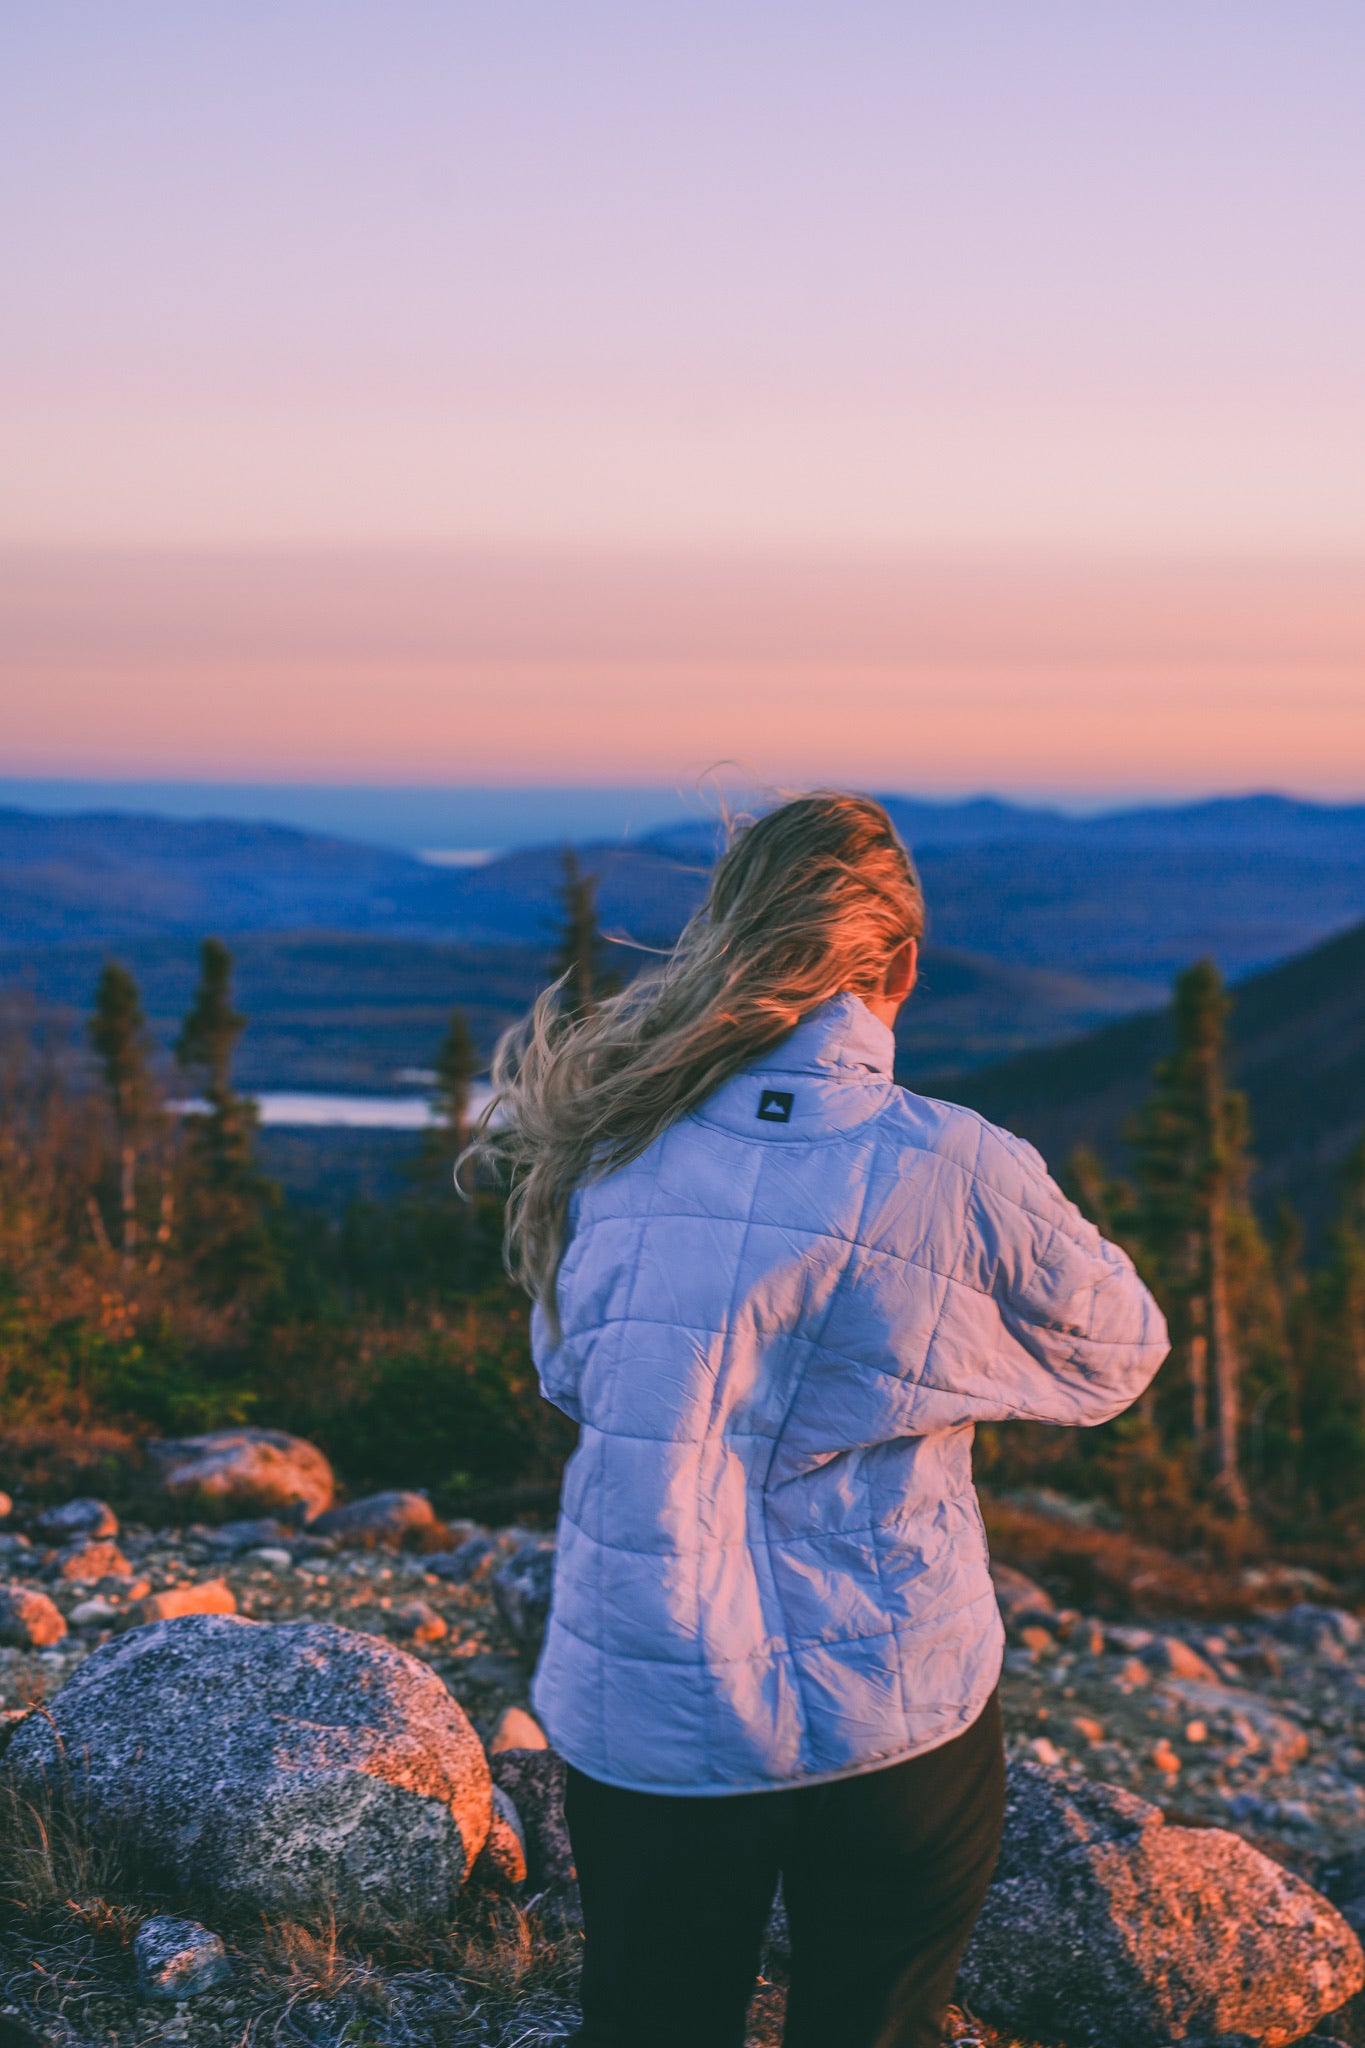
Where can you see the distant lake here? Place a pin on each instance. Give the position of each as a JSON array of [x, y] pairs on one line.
[[297, 1109]]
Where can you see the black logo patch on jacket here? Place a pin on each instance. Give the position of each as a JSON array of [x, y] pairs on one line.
[[775, 1106]]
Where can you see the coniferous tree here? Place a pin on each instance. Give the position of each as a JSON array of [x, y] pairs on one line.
[[230, 1200], [1191, 1153], [456, 1066], [1333, 1346], [580, 955], [119, 1036]]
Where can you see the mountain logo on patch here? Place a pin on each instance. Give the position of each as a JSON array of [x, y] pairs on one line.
[[775, 1106]]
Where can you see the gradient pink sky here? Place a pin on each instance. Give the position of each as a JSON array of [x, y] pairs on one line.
[[942, 396]]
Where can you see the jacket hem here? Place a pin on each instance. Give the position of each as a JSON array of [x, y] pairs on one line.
[[970, 1715]]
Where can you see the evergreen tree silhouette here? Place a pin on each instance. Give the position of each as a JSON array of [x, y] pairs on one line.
[[119, 1036], [1190, 1147], [456, 1066], [230, 1202], [581, 952]]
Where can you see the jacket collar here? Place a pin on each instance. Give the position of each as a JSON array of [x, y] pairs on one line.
[[840, 1034]]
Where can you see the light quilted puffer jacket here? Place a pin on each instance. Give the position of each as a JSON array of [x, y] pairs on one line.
[[780, 1325]]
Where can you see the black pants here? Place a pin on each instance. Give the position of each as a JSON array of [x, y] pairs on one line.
[[883, 1876]]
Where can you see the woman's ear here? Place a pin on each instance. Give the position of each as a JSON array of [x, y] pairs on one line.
[[901, 970]]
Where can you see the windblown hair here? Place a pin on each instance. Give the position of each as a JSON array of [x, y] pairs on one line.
[[806, 903]]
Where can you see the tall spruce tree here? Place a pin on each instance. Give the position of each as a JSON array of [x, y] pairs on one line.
[[456, 1066], [1190, 1148], [119, 1036], [230, 1202], [580, 955]]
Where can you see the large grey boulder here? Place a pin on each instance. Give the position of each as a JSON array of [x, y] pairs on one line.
[[1106, 1927], [244, 1472], [294, 1769], [378, 1518]]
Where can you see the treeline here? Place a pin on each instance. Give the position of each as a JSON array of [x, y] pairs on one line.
[[153, 1278], [1261, 1405]]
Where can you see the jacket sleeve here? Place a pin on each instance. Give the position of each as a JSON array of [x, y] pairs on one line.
[[1052, 1323], [556, 1366]]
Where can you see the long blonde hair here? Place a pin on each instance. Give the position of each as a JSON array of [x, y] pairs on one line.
[[806, 903]]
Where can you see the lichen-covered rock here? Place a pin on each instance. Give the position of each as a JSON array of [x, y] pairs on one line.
[[533, 1780], [28, 1619], [522, 1583], [379, 1518], [252, 1471], [74, 1518], [1105, 1926], [177, 1958], [293, 1768], [89, 1558]]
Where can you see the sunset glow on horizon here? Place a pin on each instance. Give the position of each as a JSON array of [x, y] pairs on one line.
[[943, 400]]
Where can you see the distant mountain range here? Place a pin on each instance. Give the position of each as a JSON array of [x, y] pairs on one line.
[[1130, 896], [1042, 926]]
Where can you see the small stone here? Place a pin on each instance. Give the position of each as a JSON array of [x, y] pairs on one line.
[[534, 1781], [418, 1622], [272, 1559], [1019, 1597], [93, 1559], [379, 1518], [208, 1596], [1133, 1674], [94, 1613], [502, 1860], [1256, 1660], [1085, 1725], [1169, 1653], [28, 1619], [177, 1958], [90, 1518], [517, 1729], [1328, 1631], [521, 1589], [6, 1506], [1196, 1731], [1044, 1752], [1037, 1639], [260, 1532], [1165, 1759], [471, 1560], [1130, 1642]]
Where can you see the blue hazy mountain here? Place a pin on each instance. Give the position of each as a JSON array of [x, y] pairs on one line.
[[1128, 897]]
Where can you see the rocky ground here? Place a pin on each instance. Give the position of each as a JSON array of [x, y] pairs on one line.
[[1253, 1723]]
